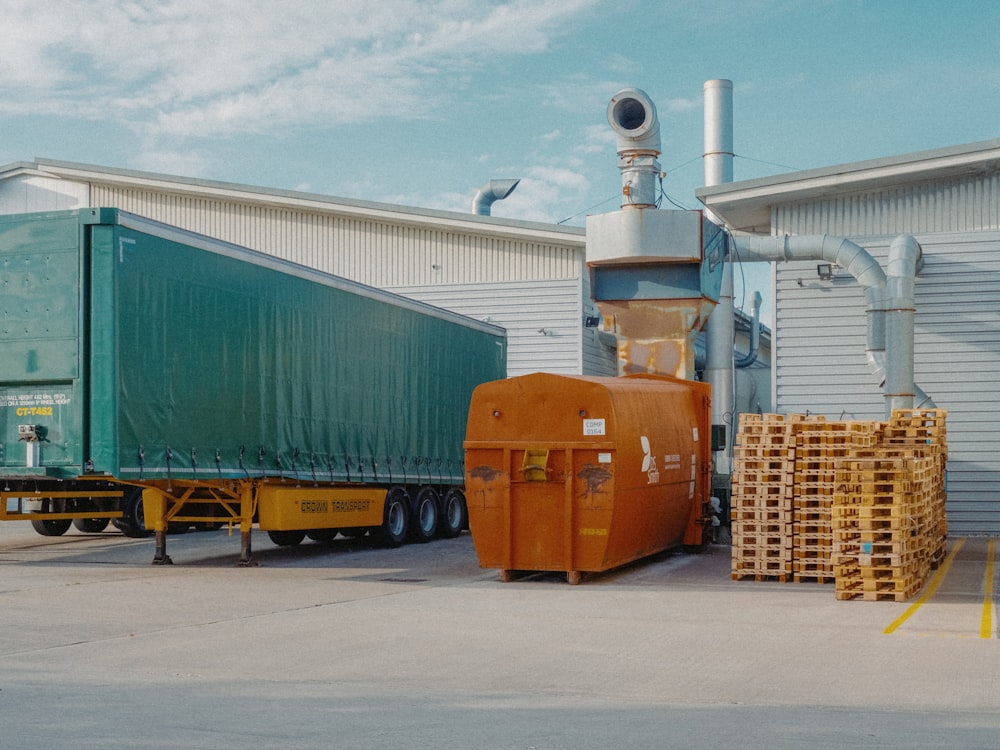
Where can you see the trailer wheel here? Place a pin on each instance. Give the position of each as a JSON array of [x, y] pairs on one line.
[[51, 528], [426, 515], [287, 538], [455, 515], [91, 525], [133, 521], [395, 518]]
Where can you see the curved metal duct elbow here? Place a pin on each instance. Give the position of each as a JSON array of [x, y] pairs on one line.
[[890, 306], [751, 356], [492, 191]]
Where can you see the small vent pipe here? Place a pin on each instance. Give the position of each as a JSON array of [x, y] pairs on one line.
[[492, 191], [751, 356]]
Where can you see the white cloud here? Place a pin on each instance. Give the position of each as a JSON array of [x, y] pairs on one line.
[[185, 67]]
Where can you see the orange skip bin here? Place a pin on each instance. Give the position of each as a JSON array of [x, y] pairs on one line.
[[583, 474]]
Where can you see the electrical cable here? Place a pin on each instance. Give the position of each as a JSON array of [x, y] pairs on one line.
[[579, 213]]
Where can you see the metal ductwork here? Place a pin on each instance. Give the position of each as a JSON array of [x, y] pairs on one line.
[[889, 301], [490, 193], [655, 274], [720, 332], [632, 116], [751, 356]]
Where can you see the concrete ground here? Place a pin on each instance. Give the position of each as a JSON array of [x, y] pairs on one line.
[[344, 645]]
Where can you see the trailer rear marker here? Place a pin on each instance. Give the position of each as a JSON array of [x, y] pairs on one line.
[[931, 589]]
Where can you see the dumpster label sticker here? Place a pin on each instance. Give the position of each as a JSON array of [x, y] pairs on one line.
[[593, 427], [603, 458], [648, 461]]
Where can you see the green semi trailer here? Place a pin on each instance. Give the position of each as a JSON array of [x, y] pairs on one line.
[[151, 377]]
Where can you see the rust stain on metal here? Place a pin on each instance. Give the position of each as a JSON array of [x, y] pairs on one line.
[[485, 472], [594, 477]]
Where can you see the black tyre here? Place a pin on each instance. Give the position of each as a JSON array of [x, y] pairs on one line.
[[287, 538], [395, 518], [133, 521], [426, 514], [454, 514], [91, 525], [52, 528]]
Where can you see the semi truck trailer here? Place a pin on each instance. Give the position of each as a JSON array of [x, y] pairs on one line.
[[153, 377]]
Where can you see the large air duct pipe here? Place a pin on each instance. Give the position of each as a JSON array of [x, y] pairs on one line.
[[889, 306], [632, 116], [492, 191], [720, 332]]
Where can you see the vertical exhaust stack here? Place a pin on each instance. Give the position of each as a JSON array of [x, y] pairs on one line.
[[655, 274], [720, 332]]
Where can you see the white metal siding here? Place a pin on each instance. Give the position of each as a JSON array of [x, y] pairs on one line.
[[963, 204], [819, 343], [542, 318], [26, 194], [380, 253]]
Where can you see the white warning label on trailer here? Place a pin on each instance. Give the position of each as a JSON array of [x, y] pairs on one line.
[[33, 404], [593, 427]]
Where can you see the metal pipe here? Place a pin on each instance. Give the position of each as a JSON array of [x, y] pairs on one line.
[[489, 193], [751, 355], [905, 261], [632, 115], [718, 156], [720, 331], [883, 304]]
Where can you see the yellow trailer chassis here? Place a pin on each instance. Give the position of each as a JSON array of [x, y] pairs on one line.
[[280, 507]]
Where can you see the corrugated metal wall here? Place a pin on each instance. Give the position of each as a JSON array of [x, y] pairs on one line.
[[379, 253], [958, 205], [820, 364]]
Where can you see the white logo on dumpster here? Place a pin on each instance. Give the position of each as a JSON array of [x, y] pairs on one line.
[[648, 462]]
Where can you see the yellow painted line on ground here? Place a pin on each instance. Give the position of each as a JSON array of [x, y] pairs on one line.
[[931, 589], [986, 624]]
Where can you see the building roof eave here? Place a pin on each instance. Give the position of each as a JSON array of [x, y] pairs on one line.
[[469, 223], [747, 206]]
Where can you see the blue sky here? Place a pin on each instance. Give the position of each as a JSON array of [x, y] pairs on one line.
[[419, 102]]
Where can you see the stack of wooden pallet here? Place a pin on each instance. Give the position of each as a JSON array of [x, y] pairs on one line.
[[888, 515], [811, 497], [762, 509], [819, 445]]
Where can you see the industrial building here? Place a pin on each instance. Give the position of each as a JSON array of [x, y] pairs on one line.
[[949, 200]]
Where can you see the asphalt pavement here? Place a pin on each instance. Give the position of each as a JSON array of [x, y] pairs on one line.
[[345, 645]]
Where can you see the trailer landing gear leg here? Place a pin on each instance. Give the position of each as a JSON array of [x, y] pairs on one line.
[[246, 553], [161, 557]]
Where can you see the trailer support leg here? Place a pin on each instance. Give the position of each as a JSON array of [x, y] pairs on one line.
[[246, 551], [161, 557]]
